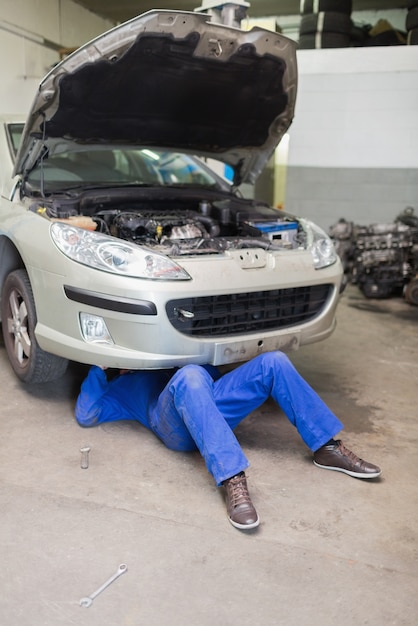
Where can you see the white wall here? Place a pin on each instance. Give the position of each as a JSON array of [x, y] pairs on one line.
[[356, 107], [353, 143], [26, 27], [352, 147]]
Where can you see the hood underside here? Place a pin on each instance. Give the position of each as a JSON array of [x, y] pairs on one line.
[[172, 80]]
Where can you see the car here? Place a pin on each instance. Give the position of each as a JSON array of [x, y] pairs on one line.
[[125, 238]]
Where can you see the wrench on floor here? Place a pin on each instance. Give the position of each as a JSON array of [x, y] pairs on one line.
[[88, 600]]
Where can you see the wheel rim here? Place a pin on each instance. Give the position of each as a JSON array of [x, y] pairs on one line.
[[18, 327]]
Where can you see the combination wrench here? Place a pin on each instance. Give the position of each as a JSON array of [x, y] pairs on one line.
[[88, 600]]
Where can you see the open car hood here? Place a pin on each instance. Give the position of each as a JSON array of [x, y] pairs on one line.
[[172, 80]]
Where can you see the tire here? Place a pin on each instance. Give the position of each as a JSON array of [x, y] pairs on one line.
[[411, 292], [316, 6], [325, 22], [30, 363], [324, 40], [412, 19], [412, 38]]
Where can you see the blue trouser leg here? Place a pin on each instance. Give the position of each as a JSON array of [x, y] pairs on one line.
[[186, 417], [193, 411], [273, 374]]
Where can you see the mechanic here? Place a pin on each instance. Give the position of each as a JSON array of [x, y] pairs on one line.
[[195, 407]]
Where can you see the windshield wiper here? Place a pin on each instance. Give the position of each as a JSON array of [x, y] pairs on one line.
[[93, 186]]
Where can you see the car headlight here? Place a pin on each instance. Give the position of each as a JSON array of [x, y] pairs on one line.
[[113, 255], [319, 244]]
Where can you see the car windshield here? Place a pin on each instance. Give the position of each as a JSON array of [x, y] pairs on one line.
[[120, 166]]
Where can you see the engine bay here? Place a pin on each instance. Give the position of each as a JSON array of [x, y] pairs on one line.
[[189, 227]]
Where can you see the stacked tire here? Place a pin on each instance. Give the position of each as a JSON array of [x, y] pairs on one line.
[[412, 24], [325, 24]]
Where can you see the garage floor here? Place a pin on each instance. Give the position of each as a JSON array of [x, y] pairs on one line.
[[330, 549]]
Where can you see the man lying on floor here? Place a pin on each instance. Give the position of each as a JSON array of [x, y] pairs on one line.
[[195, 407]]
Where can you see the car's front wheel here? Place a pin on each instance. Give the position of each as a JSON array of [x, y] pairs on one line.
[[18, 314]]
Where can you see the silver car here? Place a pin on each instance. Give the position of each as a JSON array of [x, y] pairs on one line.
[[119, 246]]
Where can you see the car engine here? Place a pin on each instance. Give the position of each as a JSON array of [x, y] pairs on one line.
[[380, 258], [188, 228], [170, 231]]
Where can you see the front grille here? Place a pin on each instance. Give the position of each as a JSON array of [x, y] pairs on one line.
[[238, 313]]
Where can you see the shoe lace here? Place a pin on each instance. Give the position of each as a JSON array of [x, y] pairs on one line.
[[349, 454], [238, 492]]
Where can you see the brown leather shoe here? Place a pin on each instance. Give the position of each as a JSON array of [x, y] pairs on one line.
[[337, 457], [241, 511]]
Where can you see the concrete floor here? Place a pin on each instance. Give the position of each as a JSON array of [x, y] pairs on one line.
[[330, 549]]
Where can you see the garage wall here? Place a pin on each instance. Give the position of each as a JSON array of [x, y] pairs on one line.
[[30, 34], [353, 143]]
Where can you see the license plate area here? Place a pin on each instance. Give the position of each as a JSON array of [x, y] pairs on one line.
[[236, 351]]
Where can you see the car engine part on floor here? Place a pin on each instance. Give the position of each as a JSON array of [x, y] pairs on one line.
[[382, 259]]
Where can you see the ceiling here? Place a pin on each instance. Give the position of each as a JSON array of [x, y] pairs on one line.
[[122, 10]]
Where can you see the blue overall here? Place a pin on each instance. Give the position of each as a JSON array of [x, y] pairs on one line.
[[196, 408]]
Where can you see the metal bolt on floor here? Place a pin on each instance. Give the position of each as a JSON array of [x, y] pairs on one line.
[[84, 457]]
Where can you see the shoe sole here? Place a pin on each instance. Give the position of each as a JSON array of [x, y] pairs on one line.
[[245, 526], [345, 471]]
